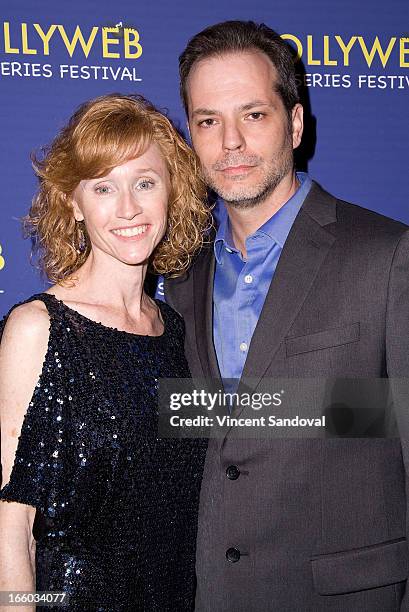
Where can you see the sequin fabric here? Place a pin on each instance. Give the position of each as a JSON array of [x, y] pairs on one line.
[[116, 507]]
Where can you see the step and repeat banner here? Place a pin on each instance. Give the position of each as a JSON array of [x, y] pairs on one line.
[[353, 61]]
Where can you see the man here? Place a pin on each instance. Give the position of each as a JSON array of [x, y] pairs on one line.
[[296, 284]]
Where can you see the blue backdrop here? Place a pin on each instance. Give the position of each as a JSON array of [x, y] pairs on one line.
[[53, 56]]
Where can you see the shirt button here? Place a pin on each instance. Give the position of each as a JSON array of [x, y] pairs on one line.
[[233, 472], [232, 555], [243, 347], [248, 279]]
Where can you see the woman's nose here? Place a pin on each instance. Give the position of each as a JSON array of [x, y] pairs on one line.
[[128, 205]]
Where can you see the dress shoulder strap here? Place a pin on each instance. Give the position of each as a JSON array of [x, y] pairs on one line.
[[50, 302]]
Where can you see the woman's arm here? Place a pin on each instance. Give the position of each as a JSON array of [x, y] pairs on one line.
[[22, 352]]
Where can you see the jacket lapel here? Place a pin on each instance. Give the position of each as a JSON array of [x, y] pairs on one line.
[[304, 252], [203, 280]]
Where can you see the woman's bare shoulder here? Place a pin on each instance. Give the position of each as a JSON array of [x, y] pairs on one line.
[[29, 321]]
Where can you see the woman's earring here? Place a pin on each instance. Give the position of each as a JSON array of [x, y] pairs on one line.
[[81, 242]]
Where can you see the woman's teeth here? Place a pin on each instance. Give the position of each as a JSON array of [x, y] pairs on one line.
[[131, 231]]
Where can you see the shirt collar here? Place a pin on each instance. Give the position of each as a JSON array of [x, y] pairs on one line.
[[224, 239], [276, 228]]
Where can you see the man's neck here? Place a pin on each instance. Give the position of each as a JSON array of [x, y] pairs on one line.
[[244, 222]]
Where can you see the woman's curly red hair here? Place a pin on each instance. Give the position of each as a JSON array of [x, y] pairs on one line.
[[101, 134]]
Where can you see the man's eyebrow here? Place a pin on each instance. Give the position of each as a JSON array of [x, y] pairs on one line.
[[242, 107], [252, 104], [205, 111]]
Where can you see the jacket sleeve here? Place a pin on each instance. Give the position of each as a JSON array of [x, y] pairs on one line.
[[397, 359]]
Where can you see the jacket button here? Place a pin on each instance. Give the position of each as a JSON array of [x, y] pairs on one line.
[[232, 555], [233, 472]]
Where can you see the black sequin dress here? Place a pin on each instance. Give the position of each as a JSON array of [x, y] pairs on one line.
[[116, 507]]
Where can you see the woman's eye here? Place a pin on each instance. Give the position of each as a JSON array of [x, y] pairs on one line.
[[103, 189], [145, 184]]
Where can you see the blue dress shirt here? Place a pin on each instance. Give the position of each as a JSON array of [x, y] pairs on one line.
[[241, 285]]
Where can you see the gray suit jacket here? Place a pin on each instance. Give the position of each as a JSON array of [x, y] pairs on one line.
[[316, 524]]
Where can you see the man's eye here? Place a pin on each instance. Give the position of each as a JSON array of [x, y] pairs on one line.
[[145, 184], [256, 116], [206, 123]]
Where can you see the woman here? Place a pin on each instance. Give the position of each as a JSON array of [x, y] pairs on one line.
[[98, 507]]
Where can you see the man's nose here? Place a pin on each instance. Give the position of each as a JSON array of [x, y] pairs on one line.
[[233, 138], [128, 205]]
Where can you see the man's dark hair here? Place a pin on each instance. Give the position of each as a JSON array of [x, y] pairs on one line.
[[239, 36]]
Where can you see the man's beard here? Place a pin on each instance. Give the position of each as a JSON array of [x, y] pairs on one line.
[[248, 197]]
